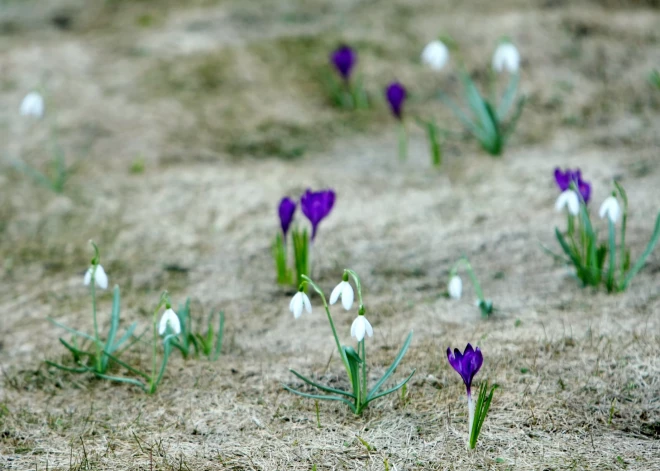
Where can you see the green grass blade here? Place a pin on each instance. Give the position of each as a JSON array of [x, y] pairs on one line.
[[127, 366], [118, 379], [478, 106], [508, 96], [320, 397], [513, 122], [321, 387], [219, 337], [642, 259], [467, 122], [391, 369], [612, 257], [114, 325], [66, 368], [124, 337], [567, 250], [391, 390], [73, 331]]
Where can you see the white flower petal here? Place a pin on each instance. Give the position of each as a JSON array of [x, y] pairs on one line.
[[358, 328], [32, 105], [610, 208], [506, 58], [88, 276], [171, 320], [435, 55], [101, 278], [334, 296], [306, 303], [370, 330], [347, 296], [455, 287], [296, 305], [568, 199]]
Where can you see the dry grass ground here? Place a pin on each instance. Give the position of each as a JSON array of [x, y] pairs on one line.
[[187, 123]]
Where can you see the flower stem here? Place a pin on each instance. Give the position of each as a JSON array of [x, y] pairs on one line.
[[97, 342], [473, 277]]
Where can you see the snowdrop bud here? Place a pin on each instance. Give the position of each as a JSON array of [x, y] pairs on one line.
[[568, 199], [297, 303], [32, 105], [100, 278], [506, 58], [435, 55], [360, 327], [345, 291], [169, 320], [610, 208], [455, 287]]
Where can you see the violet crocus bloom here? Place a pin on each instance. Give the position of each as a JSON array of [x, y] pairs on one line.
[[396, 95], [316, 205], [565, 178], [467, 364], [286, 210], [344, 58]]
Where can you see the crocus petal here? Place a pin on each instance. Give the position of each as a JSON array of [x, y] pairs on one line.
[[455, 287], [396, 95], [467, 364], [506, 58], [610, 208], [344, 58], [286, 210], [347, 295], [306, 303], [171, 320], [569, 199], [334, 296], [316, 205]]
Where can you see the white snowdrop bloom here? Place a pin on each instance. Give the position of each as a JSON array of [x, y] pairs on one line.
[[345, 290], [455, 287], [360, 327], [610, 208], [506, 58], [32, 105], [297, 303], [100, 278], [435, 55], [569, 199], [171, 320]]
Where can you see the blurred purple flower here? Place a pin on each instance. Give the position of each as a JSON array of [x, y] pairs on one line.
[[396, 95], [316, 205], [467, 364], [286, 210], [344, 58], [565, 178]]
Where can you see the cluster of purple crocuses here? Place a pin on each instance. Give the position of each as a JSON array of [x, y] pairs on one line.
[[315, 205]]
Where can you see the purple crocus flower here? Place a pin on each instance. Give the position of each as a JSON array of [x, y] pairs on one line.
[[316, 205], [467, 364], [344, 58], [286, 210], [565, 178], [396, 95]]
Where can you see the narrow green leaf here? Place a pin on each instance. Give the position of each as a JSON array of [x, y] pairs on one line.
[[118, 379], [478, 106], [114, 325], [219, 337], [391, 390], [127, 366], [320, 397], [321, 387], [467, 122], [391, 369], [73, 331], [66, 368], [567, 250], [123, 338], [612, 260], [642, 259], [508, 96]]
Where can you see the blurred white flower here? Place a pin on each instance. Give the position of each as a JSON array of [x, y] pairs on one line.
[[455, 287], [100, 278], [32, 105], [435, 55], [345, 290], [506, 58], [170, 320], [610, 208], [569, 199], [297, 303], [361, 326]]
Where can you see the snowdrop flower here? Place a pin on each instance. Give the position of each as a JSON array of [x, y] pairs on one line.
[[435, 55], [345, 290], [610, 208], [506, 58], [361, 326], [569, 199], [32, 105], [455, 287], [100, 278], [297, 303], [169, 320]]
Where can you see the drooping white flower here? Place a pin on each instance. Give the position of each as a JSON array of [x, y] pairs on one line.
[[610, 208], [170, 320], [360, 327], [506, 58], [32, 105], [455, 287], [435, 55], [345, 290], [297, 303], [569, 199], [100, 278]]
